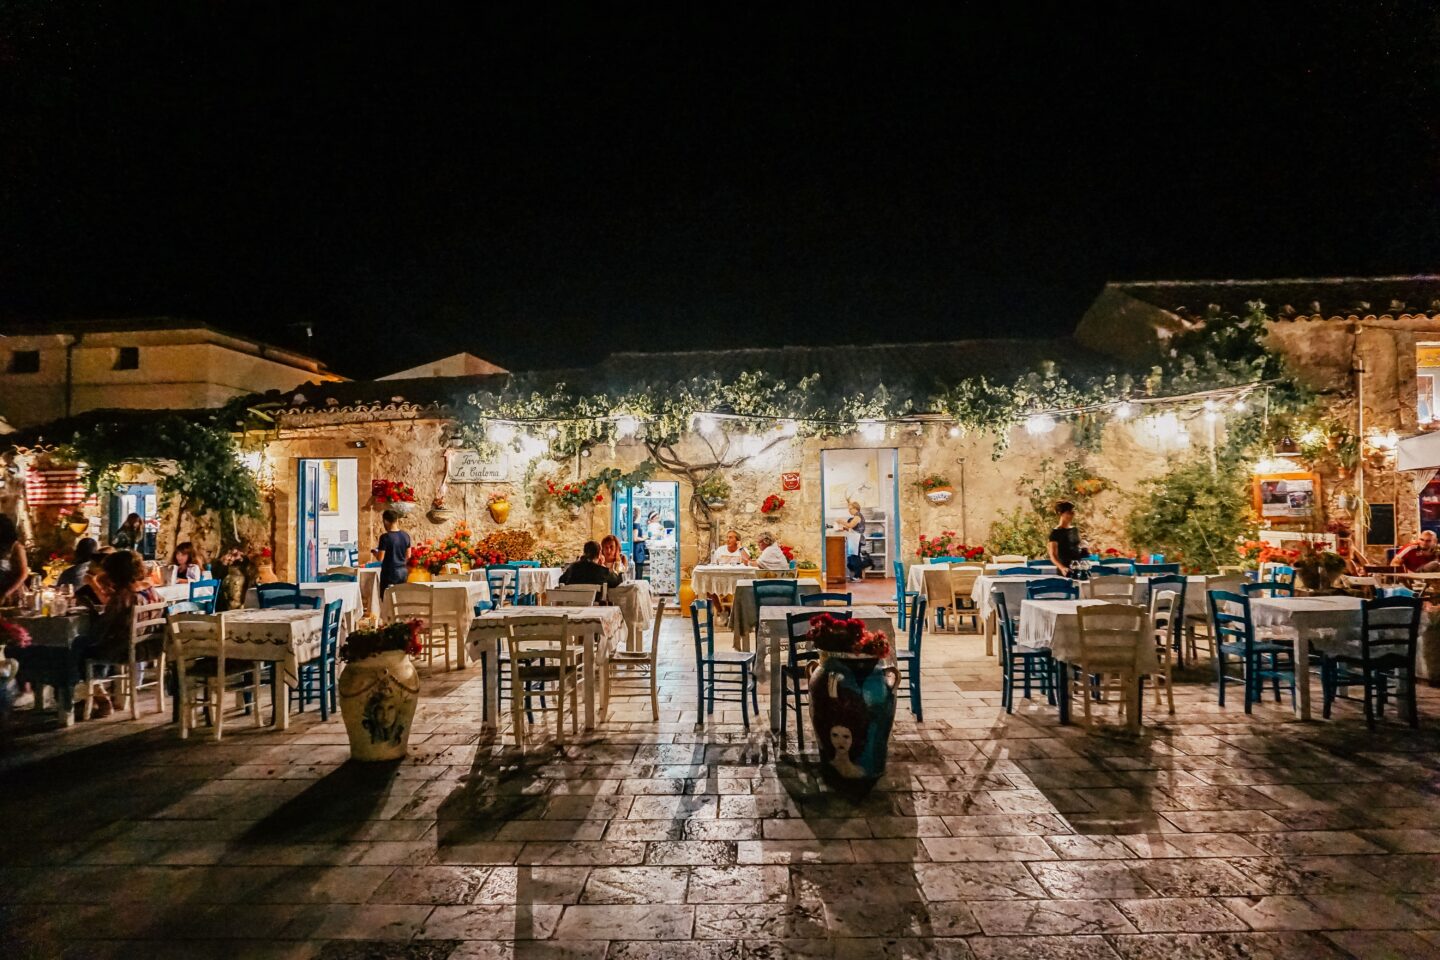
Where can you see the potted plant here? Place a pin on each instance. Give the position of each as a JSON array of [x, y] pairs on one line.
[[392, 495], [947, 545], [575, 494], [1317, 568], [438, 512], [852, 700], [937, 488], [714, 491], [379, 688], [498, 504], [771, 507]]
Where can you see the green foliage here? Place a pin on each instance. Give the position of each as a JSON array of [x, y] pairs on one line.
[[996, 408], [1194, 514], [1026, 529], [1019, 531], [198, 463], [713, 487]]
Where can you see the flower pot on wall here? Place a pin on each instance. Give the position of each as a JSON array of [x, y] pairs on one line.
[[940, 495], [716, 503], [377, 700], [419, 575], [439, 515], [852, 709], [500, 511]]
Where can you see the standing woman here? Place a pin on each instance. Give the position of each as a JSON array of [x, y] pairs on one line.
[[393, 552], [131, 535], [639, 548], [14, 567], [853, 527], [1064, 547]]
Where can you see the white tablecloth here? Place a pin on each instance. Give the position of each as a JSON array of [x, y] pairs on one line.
[[1012, 587], [661, 568], [742, 610], [287, 638], [773, 643], [1195, 600], [601, 627], [718, 579], [1053, 624], [173, 592], [1330, 624], [636, 603], [369, 580], [533, 580]]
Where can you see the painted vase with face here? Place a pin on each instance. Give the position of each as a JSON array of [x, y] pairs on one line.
[[852, 710]]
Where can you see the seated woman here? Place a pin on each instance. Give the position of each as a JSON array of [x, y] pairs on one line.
[[771, 556], [730, 552], [188, 562], [74, 576], [124, 583], [14, 568], [612, 558]]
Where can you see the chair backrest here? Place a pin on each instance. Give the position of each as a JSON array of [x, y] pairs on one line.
[[539, 637], [1230, 617], [330, 625], [702, 622], [206, 593], [948, 560], [937, 587], [333, 577], [825, 599], [1002, 618], [575, 595], [147, 620], [797, 625], [451, 576], [1153, 569], [373, 564], [1269, 588], [1173, 582], [1123, 564], [504, 582], [1228, 570], [1111, 635], [1039, 563], [276, 594], [777, 593], [899, 571], [1016, 572], [1229, 582], [1118, 588], [1099, 571], [1390, 629], [1277, 571], [962, 579], [1165, 605], [410, 601], [1052, 588], [1011, 558], [194, 635], [915, 626]]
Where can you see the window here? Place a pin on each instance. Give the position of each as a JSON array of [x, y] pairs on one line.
[[1427, 380], [24, 361], [127, 358]]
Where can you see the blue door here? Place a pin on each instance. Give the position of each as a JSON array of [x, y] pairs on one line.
[[651, 511], [307, 522]]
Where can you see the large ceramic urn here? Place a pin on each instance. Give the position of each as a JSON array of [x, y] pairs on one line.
[[377, 699], [852, 708]]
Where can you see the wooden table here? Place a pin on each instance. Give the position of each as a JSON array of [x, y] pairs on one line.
[[1055, 625], [601, 628], [52, 659], [286, 638]]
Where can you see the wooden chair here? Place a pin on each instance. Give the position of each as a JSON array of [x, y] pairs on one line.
[[795, 674], [146, 649], [902, 595], [206, 593], [908, 659], [205, 673], [577, 595], [278, 596], [1389, 642], [1155, 569], [962, 592], [317, 677], [1235, 637], [1165, 607], [337, 576], [413, 601], [504, 583], [728, 669], [543, 657], [1110, 638], [1228, 583], [1011, 558], [1019, 667], [826, 600], [939, 595], [639, 666], [1052, 588], [1116, 589]]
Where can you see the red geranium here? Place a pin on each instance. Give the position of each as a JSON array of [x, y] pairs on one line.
[[846, 635], [391, 491], [772, 503]]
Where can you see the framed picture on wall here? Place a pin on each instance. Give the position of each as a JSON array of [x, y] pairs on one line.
[[1287, 497]]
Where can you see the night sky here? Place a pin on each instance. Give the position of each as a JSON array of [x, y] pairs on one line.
[[543, 185]]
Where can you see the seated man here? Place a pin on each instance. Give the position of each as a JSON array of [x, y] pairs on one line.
[[730, 552], [589, 570], [771, 556], [1422, 556]]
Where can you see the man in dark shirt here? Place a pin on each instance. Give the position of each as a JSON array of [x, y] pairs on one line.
[[1064, 544], [393, 552], [589, 570]]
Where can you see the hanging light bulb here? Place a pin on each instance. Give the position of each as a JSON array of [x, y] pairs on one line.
[[1211, 416], [1038, 424], [1312, 436], [500, 432], [626, 426], [955, 431], [1124, 410], [1210, 406], [1240, 405]]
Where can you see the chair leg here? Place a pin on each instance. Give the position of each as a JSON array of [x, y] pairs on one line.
[[799, 720], [754, 682], [654, 692], [1169, 688], [1369, 699], [745, 681], [915, 704], [134, 684], [1220, 673]]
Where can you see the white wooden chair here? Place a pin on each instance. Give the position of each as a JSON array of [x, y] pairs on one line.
[[451, 577], [1110, 638], [412, 601], [1120, 589], [575, 595], [147, 650], [1165, 618], [638, 666], [1228, 582], [962, 592], [543, 655], [939, 595], [198, 649], [1010, 558]]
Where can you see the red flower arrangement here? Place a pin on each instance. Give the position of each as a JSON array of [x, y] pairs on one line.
[[401, 635], [846, 635], [12, 632], [772, 503], [1256, 553], [788, 551], [947, 545], [391, 491]]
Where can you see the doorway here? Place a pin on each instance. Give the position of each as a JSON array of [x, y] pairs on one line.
[[139, 498], [327, 521], [869, 479], [651, 511]]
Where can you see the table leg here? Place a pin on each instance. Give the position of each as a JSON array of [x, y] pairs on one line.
[[987, 627], [592, 664], [1302, 675], [280, 695], [1062, 692], [492, 684], [460, 637], [777, 691]]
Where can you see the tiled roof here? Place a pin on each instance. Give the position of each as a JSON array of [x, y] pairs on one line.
[[1322, 296], [914, 370]]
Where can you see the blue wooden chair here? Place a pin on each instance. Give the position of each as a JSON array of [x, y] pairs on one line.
[[1019, 667], [908, 659], [1121, 564], [337, 578], [1155, 569], [279, 595], [1389, 642], [206, 593], [1040, 566], [1235, 637], [902, 596], [1052, 588], [1099, 571], [777, 593], [184, 606], [317, 677], [1268, 589], [732, 670], [504, 582], [1016, 572], [795, 674], [821, 599]]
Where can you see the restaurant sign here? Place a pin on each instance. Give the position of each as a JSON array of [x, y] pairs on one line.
[[468, 466]]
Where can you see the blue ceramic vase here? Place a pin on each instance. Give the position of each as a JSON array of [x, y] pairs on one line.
[[852, 708]]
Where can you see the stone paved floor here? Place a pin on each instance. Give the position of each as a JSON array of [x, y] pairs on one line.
[[1213, 835]]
